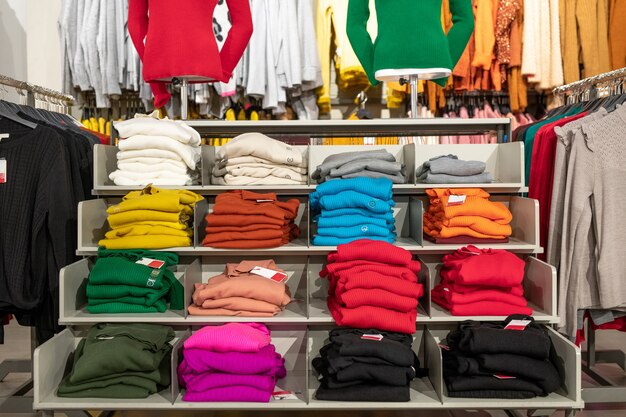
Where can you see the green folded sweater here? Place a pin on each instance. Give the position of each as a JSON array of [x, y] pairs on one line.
[[118, 284], [120, 361]]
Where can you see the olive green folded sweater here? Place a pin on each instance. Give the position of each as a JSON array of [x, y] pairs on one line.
[[120, 361]]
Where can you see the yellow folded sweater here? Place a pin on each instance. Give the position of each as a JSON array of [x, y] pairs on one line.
[[135, 230], [127, 218], [146, 242]]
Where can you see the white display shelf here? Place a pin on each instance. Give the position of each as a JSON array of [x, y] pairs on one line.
[[505, 161], [569, 367], [408, 214]]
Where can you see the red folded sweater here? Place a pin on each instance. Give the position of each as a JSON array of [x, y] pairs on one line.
[[367, 317], [376, 297], [358, 266], [482, 308], [473, 266], [372, 280], [464, 289], [453, 298], [373, 251]]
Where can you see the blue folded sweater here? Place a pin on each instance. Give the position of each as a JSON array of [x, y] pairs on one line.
[[353, 199], [334, 241], [388, 217], [380, 188], [365, 230], [354, 220]]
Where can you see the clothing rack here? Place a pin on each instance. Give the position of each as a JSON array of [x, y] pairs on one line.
[[607, 392], [587, 89], [52, 99], [19, 402]]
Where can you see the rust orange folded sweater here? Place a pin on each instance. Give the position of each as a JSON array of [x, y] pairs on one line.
[[249, 203]]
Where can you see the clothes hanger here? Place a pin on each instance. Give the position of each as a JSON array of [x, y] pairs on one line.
[[7, 112]]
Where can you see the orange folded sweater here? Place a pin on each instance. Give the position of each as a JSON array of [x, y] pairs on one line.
[[476, 216]]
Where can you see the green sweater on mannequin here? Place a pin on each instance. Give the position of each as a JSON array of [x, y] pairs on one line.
[[410, 35]]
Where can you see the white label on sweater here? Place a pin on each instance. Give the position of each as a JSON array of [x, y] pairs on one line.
[[501, 376], [3, 170], [284, 395], [517, 325], [152, 263], [376, 337], [455, 200], [269, 274], [264, 201], [4, 136]]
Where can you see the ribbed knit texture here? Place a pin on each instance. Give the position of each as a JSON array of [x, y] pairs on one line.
[[481, 282], [476, 217], [38, 214], [373, 284], [169, 214], [231, 337], [424, 43], [239, 210], [345, 208], [167, 53], [233, 362], [118, 284]]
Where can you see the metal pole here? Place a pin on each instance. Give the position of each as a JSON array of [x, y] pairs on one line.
[[414, 93], [184, 91]]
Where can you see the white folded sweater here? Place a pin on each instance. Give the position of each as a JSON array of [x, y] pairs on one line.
[[260, 172], [261, 146], [152, 161], [189, 154], [120, 177], [149, 153], [239, 160], [151, 125], [165, 167], [241, 180]]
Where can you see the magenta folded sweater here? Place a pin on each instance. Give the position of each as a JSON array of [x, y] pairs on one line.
[[231, 337], [229, 394], [264, 361]]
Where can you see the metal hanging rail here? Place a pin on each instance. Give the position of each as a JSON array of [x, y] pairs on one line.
[[590, 83], [36, 90]]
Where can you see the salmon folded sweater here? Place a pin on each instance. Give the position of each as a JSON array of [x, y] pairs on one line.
[[465, 212], [373, 284], [246, 220], [239, 292], [481, 282]]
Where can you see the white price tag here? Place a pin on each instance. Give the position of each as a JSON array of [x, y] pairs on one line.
[[376, 337], [3, 170], [152, 263], [284, 395], [455, 200], [4, 136], [517, 325], [275, 276]]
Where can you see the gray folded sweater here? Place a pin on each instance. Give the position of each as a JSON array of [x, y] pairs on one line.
[[449, 165], [340, 159]]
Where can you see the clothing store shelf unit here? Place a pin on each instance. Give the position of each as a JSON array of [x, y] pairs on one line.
[[504, 161], [408, 214], [302, 328]]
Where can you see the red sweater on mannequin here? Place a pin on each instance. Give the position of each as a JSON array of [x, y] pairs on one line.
[[175, 39]]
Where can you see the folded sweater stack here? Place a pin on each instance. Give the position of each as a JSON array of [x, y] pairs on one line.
[[481, 282], [466, 215], [246, 220], [233, 362], [152, 218], [373, 284], [156, 151], [357, 208], [486, 360], [377, 163], [129, 281], [241, 291], [255, 159], [449, 169], [120, 361], [366, 365]]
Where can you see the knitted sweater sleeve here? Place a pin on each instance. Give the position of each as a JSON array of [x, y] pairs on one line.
[[238, 36], [138, 29], [462, 28], [356, 28]]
